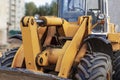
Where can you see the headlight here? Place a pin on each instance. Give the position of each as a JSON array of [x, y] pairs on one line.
[[101, 16]]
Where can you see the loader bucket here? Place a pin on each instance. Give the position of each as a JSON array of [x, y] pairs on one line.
[[23, 74]]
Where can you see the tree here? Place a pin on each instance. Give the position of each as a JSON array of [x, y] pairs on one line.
[[44, 10], [54, 8], [31, 9], [48, 9]]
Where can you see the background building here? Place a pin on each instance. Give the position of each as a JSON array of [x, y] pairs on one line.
[[11, 12], [16, 12], [3, 21]]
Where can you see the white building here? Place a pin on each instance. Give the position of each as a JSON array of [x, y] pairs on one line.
[[3, 22], [16, 12], [11, 12]]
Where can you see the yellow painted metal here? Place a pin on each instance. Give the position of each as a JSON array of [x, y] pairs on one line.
[[58, 65], [90, 25], [112, 28], [18, 58], [51, 20], [70, 29], [56, 52], [95, 25], [51, 55], [115, 46], [59, 56], [89, 28], [65, 27], [81, 53], [41, 31], [71, 51], [50, 33], [80, 20], [42, 58], [31, 43], [114, 38]]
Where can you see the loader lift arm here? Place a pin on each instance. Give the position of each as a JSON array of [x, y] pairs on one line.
[[34, 50]]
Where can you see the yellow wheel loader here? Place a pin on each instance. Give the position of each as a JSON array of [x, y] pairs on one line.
[[79, 44]]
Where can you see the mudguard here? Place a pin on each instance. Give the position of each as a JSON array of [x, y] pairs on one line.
[[23, 74], [99, 44]]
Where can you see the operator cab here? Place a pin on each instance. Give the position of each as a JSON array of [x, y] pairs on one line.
[[71, 9], [98, 9]]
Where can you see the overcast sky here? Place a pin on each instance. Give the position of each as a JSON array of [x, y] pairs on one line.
[[39, 2]]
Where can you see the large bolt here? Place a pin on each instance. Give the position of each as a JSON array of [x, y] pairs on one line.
[[41, 60], [32, 22]]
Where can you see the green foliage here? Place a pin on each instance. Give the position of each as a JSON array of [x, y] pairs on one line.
[[47, 9], [31, 9], [54, 9]]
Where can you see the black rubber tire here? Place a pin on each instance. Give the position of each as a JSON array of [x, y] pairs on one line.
[[116, 66], [7, 58], [94, 66]]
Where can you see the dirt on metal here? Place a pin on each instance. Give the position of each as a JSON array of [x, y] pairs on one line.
[[23, 74]]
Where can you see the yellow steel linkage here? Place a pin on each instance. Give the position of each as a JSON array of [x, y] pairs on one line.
[[30, 42], [71, 51]]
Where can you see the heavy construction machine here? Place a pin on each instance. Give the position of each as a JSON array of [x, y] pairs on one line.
[[80, 44]]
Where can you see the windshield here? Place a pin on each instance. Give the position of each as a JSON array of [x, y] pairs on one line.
[[71, 9], [75, 5]]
